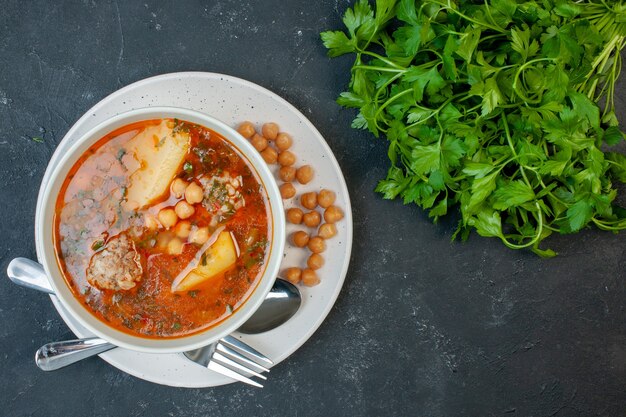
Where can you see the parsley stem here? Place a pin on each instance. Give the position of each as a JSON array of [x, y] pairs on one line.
[[521, 169], [434, 52], [441, 132], [375, 68], [384, 86], [510, 142], [391, 100], [554, 229], [382, 58], [535, 239], [448, 31], [488, 10], [434, 111], [449, 7], [516, 79], [494, 36], [604, 225]]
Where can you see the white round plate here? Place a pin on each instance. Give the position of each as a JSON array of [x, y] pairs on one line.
[[232, 101]]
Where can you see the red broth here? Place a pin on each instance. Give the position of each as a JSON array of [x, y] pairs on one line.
[[93, 211]]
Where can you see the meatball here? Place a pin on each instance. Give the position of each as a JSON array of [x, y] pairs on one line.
[[117, 266]]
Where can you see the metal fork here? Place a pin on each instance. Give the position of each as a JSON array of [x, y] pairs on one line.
[[233, 358], [229, 356]]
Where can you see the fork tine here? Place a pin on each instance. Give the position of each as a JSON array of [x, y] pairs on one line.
[[236, 356], [214, 366], [235, 366], [246, 350]]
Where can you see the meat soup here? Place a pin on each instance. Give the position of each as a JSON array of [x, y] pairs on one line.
[[161, 229]]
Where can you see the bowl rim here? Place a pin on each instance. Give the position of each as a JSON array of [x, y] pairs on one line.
[[44, 229]]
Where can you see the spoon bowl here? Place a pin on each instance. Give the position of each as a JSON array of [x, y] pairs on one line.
[[280, 304]]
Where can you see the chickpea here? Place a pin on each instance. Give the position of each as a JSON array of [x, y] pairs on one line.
[[333, 214], [304, 174], [175, 246], [184, 210], [300, 238], [294, 215], [315, 261], [309, 278], [183, 229], [259, 142], [178, 187], [312, 219], [287, 190], [309, 200], [287, 174], [286, 158], [317, 244], [326, 198], [163, 239], [194, 193], [283, 141], [270, 130], [167, 217], [150, 222], [246, 129], [292, 275], [327, 230], [269, 155], [199, 236]]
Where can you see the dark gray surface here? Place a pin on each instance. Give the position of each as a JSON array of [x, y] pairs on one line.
[[422, 327]]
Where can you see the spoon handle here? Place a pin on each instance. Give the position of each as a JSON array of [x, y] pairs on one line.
[[57, 355], [29, 274]]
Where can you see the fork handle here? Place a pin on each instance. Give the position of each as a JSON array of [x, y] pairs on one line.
[[56, 355]]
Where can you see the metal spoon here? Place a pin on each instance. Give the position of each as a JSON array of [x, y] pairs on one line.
[[27, 273], [280, 304]]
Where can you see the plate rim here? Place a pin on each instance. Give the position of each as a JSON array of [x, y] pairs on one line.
[[248, 84]]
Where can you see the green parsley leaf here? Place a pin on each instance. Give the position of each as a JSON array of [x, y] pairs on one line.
[[337, 43], [612, 136], [512, 194], [487, 223], [481, 189], [395, 183], [579, 214], [425, 159]]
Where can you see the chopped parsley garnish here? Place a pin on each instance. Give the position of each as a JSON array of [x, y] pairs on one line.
[[98, 244]]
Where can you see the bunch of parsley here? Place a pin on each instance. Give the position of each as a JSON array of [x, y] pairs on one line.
[[492, 106]]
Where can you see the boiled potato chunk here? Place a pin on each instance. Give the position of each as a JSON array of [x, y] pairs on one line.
[[157, 153], [220, 256]]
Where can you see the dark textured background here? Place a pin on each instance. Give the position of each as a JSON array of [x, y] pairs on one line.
[[422, 327]]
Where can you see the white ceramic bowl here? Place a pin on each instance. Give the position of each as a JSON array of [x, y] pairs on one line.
[[44, 230]]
